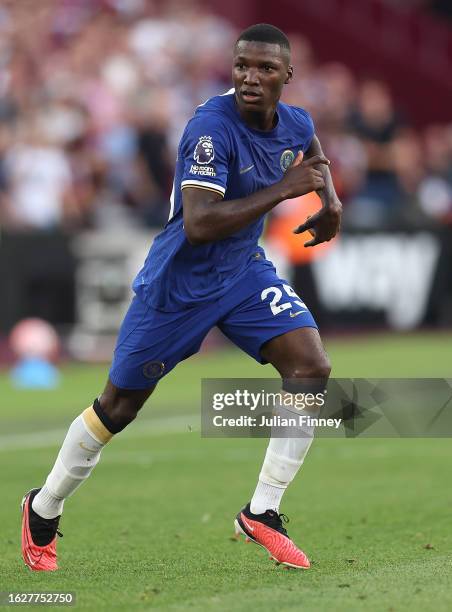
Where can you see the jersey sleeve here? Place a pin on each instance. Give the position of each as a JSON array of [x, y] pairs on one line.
[[205, 150], [305, 125], [310, 130]]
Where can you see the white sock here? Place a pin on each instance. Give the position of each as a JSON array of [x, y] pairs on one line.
[[283, 459], [266, 497], [48, 506], [77, 458]]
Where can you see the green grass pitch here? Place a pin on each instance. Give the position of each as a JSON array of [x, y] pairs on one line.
[[151, 529]]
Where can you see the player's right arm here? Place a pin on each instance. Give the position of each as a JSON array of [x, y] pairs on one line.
[[205, 220]]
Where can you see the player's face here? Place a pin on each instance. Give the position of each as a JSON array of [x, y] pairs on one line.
[[259, 72]]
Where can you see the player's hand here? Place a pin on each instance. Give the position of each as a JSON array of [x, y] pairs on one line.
[[302, 177], [323, 225]]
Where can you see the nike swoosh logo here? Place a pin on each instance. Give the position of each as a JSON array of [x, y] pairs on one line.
[[90, 450], [245, 170], [30, 560], [247, 526], [295, 314]]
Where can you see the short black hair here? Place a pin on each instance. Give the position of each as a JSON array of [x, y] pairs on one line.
[[266, 33]]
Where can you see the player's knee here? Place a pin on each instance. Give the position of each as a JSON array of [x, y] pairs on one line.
[[316, 368], [118, 407], [119, 411]]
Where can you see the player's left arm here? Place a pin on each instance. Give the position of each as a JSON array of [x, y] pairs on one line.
[[325, 223]]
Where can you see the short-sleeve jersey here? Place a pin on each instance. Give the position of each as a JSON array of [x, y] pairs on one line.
[[218, 151]]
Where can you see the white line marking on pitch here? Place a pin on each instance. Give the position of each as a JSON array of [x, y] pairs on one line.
[[54, 437]]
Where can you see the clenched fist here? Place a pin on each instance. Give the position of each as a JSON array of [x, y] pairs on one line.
[[302, 177]]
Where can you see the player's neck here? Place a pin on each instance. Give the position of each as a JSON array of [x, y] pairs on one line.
[[263, 121]]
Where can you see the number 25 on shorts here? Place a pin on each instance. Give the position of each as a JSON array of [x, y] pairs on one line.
[[275, 305]]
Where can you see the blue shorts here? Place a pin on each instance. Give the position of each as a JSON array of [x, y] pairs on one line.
[[151, 342]]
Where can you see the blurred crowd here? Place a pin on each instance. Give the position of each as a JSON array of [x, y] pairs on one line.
[[94, 95]]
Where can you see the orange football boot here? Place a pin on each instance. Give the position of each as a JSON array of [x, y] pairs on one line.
[[267, 530], [38, 537]]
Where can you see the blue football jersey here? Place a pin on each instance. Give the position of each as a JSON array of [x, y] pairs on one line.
[[220, 152]]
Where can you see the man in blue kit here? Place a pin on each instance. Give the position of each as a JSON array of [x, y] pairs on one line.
[[240, 155]]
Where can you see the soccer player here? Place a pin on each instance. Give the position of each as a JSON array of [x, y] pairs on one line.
[[240, 155]]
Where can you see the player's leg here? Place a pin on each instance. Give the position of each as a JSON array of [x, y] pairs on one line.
[[274, 325], [300, 359], [150, 344], [87, 435], [81, 450], [303, 364]]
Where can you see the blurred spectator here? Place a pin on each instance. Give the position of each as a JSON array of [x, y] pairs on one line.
[[38, 181], [375, 122], [435, 190]]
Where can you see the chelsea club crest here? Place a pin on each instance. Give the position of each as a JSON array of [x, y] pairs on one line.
[[287, 158]]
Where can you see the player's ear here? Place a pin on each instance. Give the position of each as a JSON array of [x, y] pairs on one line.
[[289, 74]]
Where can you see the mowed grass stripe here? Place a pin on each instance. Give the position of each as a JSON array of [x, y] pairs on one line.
[[154, 427]]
